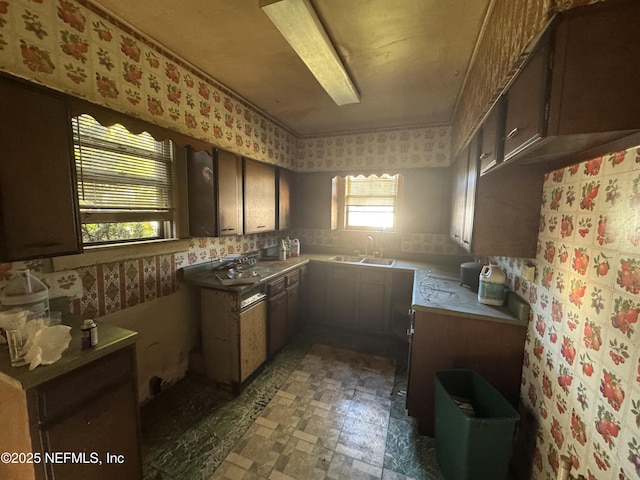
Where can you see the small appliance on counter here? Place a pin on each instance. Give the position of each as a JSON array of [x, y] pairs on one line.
[[470, 275], [491, 289]]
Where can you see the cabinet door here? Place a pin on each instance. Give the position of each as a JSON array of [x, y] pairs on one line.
[[293, 302], [284, 199], [491, 138], [315, 201], [470, 196], [373, 301], [277, 315], [459, 195], [316, 293], [259, 197], [253, 339], [229, 182], [108, 425], [343, 303], [201, 194], [525, 122], [38, 206]]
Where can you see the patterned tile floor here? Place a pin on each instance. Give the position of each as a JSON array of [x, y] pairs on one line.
[[330, 405]]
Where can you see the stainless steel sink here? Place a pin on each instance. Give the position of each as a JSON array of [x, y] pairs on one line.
[[387, 262], [378, 261], [346, 258]]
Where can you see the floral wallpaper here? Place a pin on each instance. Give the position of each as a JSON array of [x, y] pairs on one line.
[[376, 150], [581, 374], [103, 288], [72, 46]]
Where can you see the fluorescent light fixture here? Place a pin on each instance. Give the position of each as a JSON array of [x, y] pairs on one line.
[[301, 27]]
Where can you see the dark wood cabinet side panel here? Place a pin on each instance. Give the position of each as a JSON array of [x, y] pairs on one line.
[[201, 194], [507, 212], [493, 349], [426, 203], [313, 199], [37, 175], [229, 193]]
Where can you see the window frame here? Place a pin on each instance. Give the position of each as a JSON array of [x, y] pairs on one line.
[[340, 197], [165, 218]]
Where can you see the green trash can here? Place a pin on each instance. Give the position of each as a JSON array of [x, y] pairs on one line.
[[474, 427]]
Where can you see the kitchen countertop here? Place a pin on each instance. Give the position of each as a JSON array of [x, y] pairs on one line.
[[436, 286], [110, 339]]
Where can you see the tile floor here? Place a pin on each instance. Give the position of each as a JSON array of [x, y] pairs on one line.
[[330, 405]]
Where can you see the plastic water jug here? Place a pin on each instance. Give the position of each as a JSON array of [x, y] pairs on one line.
[[295, 247], [491, 289], [26, 291]]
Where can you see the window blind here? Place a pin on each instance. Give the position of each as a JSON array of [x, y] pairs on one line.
[[371, 190], [121, 172], [370, 202]]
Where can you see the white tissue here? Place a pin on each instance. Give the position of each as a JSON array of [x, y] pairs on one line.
[[45, 344]]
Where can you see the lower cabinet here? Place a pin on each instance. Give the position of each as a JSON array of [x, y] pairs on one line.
[[343, 304], [350, 296], [91, 411], [491, 348], [283, 299], [315, 293], [234, 342]]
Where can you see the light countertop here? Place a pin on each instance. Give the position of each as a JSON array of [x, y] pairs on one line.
[[110, 339], [436, 285]]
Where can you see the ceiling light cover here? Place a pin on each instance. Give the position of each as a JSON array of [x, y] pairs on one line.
[[298, 22]]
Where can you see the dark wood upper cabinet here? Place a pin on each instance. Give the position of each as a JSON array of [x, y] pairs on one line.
[[313, 200], [201, 193], [259, 197], [491, 137], [38, 202], [285, 184], [215, 193], [229, 176], [576, 96]]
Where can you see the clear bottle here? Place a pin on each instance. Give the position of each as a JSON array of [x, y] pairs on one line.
[[283, 251], [287, 244]]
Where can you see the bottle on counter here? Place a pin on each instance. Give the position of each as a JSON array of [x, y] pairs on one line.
[[89, 337], [283, 251], [295, 247], [287, 244]]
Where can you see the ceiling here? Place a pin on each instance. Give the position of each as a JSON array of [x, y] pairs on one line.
[[407, 58]]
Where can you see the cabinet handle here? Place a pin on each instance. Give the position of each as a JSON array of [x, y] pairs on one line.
[[466, 241], [261, 226], [228, 229], [512, 133], [484, 155]]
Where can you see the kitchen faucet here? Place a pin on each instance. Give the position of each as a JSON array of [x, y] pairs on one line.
[[366, 245]]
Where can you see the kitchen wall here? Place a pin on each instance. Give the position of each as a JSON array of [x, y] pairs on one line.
[[581, 376]]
